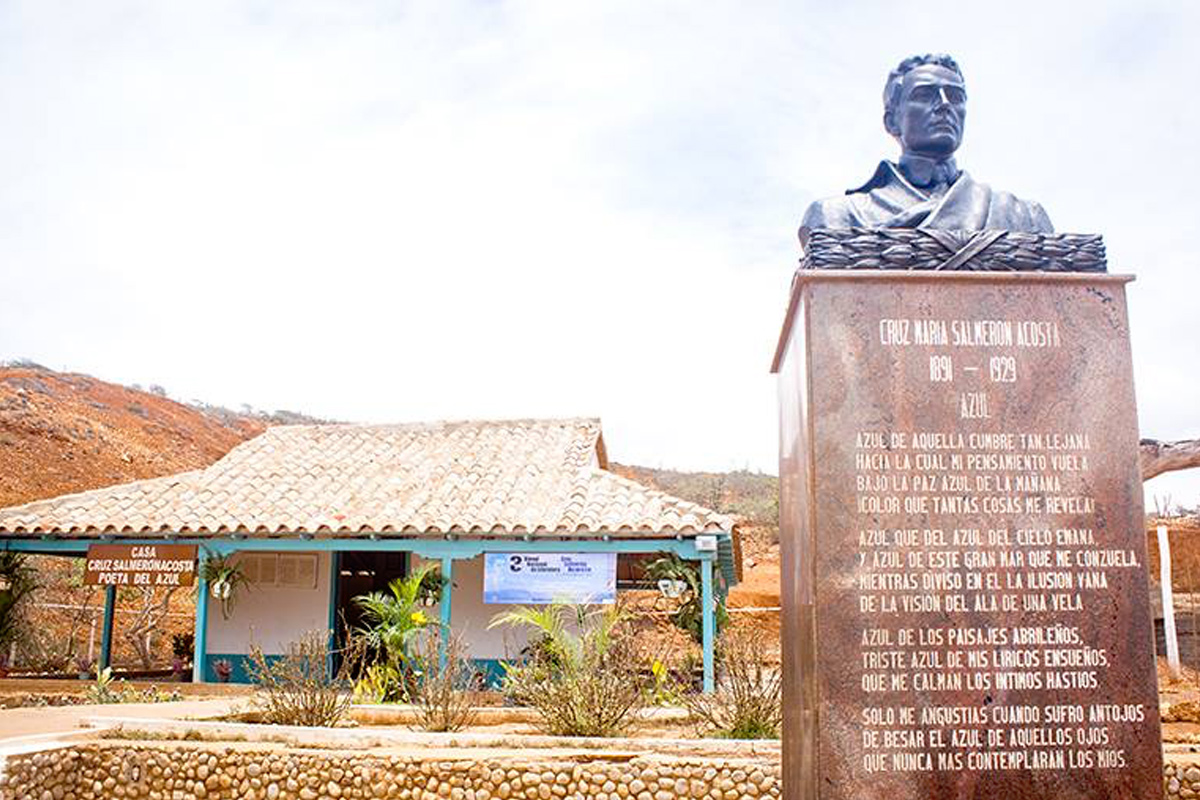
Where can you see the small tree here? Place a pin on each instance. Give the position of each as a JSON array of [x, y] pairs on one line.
[[389, 622], [51, 647], [584, 683], [150, 614]]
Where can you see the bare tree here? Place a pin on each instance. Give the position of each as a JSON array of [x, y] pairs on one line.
[[153, 611], [1158, 457], [72, 610]]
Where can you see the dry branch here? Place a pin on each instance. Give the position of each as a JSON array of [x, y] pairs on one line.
[[1158, 457], [152, 612]]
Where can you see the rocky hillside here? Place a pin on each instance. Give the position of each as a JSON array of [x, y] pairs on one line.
[[66, 432]]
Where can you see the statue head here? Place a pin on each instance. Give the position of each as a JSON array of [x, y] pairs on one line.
[[925, 105]]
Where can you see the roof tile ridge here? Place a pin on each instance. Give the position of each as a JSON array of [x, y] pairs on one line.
[[659, 494]]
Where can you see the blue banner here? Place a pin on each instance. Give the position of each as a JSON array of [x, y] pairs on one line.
[[541, 578]]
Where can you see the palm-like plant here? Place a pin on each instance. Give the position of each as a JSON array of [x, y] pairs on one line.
[[391, 619]]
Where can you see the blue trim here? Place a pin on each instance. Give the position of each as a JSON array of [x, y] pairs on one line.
[[491, 670], [110, 604], [423, 547], [706, 600], [49, 546], [335, 564], [200, 637], [239, 662], [446, 608]]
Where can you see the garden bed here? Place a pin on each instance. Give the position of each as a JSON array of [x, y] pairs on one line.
[[652, 737], [38, 692], [662, 721]]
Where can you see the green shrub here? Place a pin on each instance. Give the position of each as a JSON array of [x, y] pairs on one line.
[[446, 680], [379, 683], [580, 674], [298, 688], [390, 621], [748, 701]]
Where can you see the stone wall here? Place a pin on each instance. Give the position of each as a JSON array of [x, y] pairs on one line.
[[1182, 779], [174, 772]]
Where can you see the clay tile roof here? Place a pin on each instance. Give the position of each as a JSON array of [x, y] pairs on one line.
[[538, 477]]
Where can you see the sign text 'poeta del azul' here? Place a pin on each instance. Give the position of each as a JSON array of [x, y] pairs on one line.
[[141, 565]]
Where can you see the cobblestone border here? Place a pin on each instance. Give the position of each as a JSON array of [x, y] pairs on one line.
[[162, 771]]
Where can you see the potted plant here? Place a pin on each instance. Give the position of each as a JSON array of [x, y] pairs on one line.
[[182, 647], [83, 668], [679, 582], [223, 669]]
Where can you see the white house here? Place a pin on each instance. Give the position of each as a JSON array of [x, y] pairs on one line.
[[317, 514]]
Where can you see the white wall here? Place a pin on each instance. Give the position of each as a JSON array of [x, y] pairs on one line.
[[470, 616], [272, 616]]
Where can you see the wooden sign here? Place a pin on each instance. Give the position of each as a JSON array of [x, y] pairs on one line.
[[141, 565]]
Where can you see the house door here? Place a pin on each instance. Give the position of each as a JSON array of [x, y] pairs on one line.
[[362, 573]]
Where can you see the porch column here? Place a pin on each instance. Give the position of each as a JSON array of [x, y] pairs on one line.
[[201, 636], [447, 579], [335, 571], [708, 617], [110, 604]]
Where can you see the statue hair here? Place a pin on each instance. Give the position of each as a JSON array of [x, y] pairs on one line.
[[891, 90]]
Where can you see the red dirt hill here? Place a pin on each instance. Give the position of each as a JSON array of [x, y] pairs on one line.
[[65, 432]]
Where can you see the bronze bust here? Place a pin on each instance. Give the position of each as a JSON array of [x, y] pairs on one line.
[[925, 108]]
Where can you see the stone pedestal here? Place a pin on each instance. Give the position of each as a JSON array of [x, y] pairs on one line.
[[965, 600]]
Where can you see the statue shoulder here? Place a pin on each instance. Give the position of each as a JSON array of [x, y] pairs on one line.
[[1039, 218], [854, 209], [1016, 214], [829, 212]]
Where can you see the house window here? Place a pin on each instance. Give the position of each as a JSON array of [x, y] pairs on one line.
[[281, 570]]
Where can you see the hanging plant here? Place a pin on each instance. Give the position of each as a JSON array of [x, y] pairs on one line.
[[431, 586], [224, 578], [679, 581]]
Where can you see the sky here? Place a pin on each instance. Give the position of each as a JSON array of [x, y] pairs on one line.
[[403, 211]]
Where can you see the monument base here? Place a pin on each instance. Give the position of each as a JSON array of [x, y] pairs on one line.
[[965, 602]]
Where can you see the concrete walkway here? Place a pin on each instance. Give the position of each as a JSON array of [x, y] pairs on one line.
[[20, 723]]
